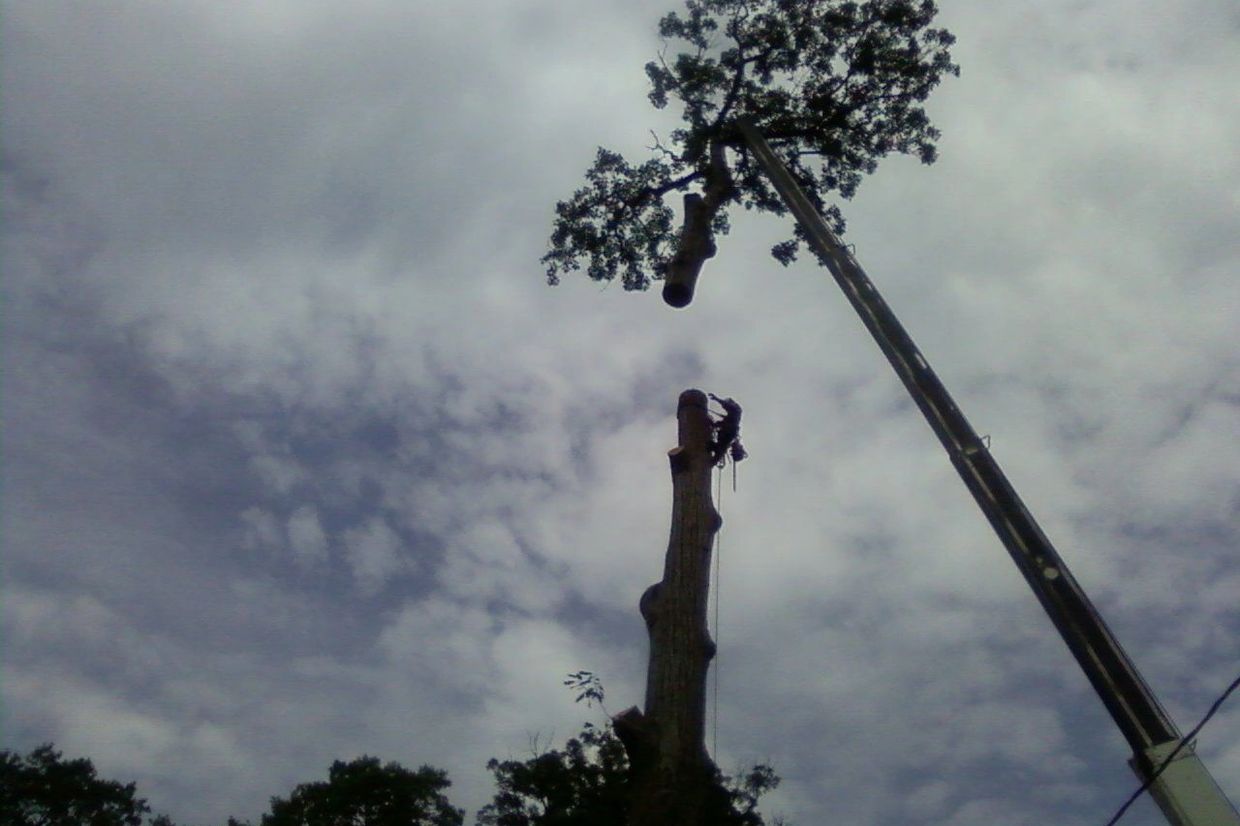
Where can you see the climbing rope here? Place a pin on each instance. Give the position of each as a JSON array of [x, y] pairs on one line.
[[718, 551], [725, 445]]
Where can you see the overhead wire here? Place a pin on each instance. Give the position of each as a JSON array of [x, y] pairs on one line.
[[1185, 740]]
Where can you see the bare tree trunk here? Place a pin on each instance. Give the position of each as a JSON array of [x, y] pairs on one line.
[[674, 779]]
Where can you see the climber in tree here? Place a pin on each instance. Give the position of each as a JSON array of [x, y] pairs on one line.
[[834, 86], [725, 437]]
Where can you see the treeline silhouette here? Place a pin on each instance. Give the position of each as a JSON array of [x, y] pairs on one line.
[[583, 784]]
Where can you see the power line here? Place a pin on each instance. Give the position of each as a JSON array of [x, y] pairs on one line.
[[1167, 760]]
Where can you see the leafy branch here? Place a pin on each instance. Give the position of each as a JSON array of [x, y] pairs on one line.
[[835, 87]]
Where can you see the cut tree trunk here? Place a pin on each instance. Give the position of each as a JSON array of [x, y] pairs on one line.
[[674, 781], [697, 239]]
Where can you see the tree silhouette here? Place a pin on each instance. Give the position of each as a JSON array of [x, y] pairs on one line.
[[43, 789], [587, 783], [364, 792], [834, 86]]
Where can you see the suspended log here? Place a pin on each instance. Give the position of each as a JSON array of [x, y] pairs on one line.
[[697, 239]]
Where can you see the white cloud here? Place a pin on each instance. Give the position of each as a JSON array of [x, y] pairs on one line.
[[443, 643], [262, 530], [280, 473], [376, 554], [306, 537]]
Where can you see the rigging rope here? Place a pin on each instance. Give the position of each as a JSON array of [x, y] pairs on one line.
[[714, 749]]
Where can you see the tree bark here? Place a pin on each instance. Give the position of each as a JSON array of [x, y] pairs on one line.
[[697, 239], [674, 781]]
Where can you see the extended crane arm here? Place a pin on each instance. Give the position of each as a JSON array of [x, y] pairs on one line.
[[1185, 790]]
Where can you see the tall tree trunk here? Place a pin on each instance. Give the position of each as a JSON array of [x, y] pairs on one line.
[[674, 780]]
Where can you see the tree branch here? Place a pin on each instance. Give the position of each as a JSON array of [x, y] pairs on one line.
[[659, 191], [738, 79], [659, 147]]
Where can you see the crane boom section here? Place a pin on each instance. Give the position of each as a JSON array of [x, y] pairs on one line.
[[1182, 787], [1127, 697]]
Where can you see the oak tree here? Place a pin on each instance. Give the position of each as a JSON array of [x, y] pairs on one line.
[[834, 87]]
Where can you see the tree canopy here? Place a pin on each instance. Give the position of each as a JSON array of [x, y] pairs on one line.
[[367, 793], [587, 783], [44, 789], [834, 87]]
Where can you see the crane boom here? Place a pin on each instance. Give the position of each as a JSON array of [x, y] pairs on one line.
[[1184, 790]]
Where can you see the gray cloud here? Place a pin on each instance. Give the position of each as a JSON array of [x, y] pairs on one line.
[[302, 461]]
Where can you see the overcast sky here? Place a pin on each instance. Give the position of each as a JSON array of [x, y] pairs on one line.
[[303, 460]]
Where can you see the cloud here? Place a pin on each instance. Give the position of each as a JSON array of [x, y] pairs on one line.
[[306, 538], [375, 554], [274, 295], [262, 529], [443, 643]]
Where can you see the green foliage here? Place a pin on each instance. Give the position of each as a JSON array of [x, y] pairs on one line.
[[584, 784], [834, 86], [744, 793], [365, 793], [587, 784], [616, 221], [588, 687], [43, 789]]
